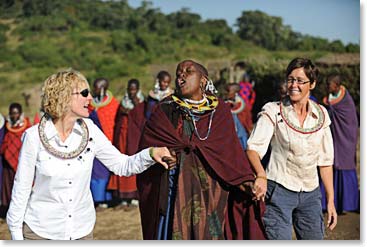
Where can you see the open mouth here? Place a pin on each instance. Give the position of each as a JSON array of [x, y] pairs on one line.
[[294, 92], [181, 82]]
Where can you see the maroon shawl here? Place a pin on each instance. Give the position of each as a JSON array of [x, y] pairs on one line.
[[221, 152], [135, 126]]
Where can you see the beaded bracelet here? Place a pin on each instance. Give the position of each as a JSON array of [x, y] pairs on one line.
[[262, 177], [151, 149]]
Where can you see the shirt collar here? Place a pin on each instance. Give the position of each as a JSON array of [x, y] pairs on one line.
[[312, 111], [51, 132]]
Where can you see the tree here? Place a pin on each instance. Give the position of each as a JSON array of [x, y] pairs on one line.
[[337, 46], [184, 19], [353, 48]]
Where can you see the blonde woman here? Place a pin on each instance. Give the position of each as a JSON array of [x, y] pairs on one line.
[[51, 196]]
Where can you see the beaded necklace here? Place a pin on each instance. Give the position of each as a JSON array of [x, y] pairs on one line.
[[238, 105], [19, 126], [159, 94], [63, 155], [209, 104], [103, 103], [196, 102], [196, 118], [334, 100], [284, 112]]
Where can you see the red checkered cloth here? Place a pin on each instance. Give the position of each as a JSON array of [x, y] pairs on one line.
[[12, 143]]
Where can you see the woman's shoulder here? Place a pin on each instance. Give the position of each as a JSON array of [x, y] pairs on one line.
[[89, 122], [271, 107], [33, 130], [31, 133], [318, 106]]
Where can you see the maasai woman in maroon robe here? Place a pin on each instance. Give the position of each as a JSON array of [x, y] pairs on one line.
[[141, 113], [207, 194], [16, 124], [124, 188]]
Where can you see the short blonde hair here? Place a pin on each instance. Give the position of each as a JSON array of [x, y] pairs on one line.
[[57, 91]]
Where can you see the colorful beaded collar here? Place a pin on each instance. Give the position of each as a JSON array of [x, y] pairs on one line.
[[63, 155], [238, 105], [104, 102], [210, 104], [328, 101], [19, 127], [284, 112]]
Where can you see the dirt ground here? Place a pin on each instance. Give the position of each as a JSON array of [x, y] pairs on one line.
[[124, 224], [120, 224]]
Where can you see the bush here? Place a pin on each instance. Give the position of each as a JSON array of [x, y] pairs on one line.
[[41, 53]]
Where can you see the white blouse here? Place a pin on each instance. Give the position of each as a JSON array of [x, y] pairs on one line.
[[294, 155], [52, 195]]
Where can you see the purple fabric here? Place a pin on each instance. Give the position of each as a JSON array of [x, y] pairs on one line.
[[151, 103], [346, 192], [344, 128], [98, 189], [94, 117], [99, 181], [99, 171]]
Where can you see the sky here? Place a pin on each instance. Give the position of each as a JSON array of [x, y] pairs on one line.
[[330, 19]]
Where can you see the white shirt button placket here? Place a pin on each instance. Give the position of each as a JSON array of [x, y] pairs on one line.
[[69, 203]]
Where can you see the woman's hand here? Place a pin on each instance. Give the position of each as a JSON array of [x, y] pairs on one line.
[[247, 187], [163, 156], [260, 187], [332, 216]]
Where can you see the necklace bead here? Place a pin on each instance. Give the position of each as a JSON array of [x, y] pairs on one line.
[[284, 112], [63, 155]]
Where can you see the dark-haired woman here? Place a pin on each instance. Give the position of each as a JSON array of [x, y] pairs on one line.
[[298, 131]]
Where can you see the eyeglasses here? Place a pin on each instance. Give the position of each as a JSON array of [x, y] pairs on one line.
[[298, 81], [83, 93]]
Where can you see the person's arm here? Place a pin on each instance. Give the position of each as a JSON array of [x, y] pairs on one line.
[[257, 146], [22, 187], [124, 165], [326, 173]]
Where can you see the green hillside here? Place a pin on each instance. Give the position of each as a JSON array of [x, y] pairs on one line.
[[113, 40]]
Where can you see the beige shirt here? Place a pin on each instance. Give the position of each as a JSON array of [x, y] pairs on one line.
[[295, 152]]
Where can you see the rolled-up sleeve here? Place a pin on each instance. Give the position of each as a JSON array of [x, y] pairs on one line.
[[22, 186], [118, 163], [263, 131]]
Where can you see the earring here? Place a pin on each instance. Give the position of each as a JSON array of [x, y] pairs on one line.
[[210, 87]]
